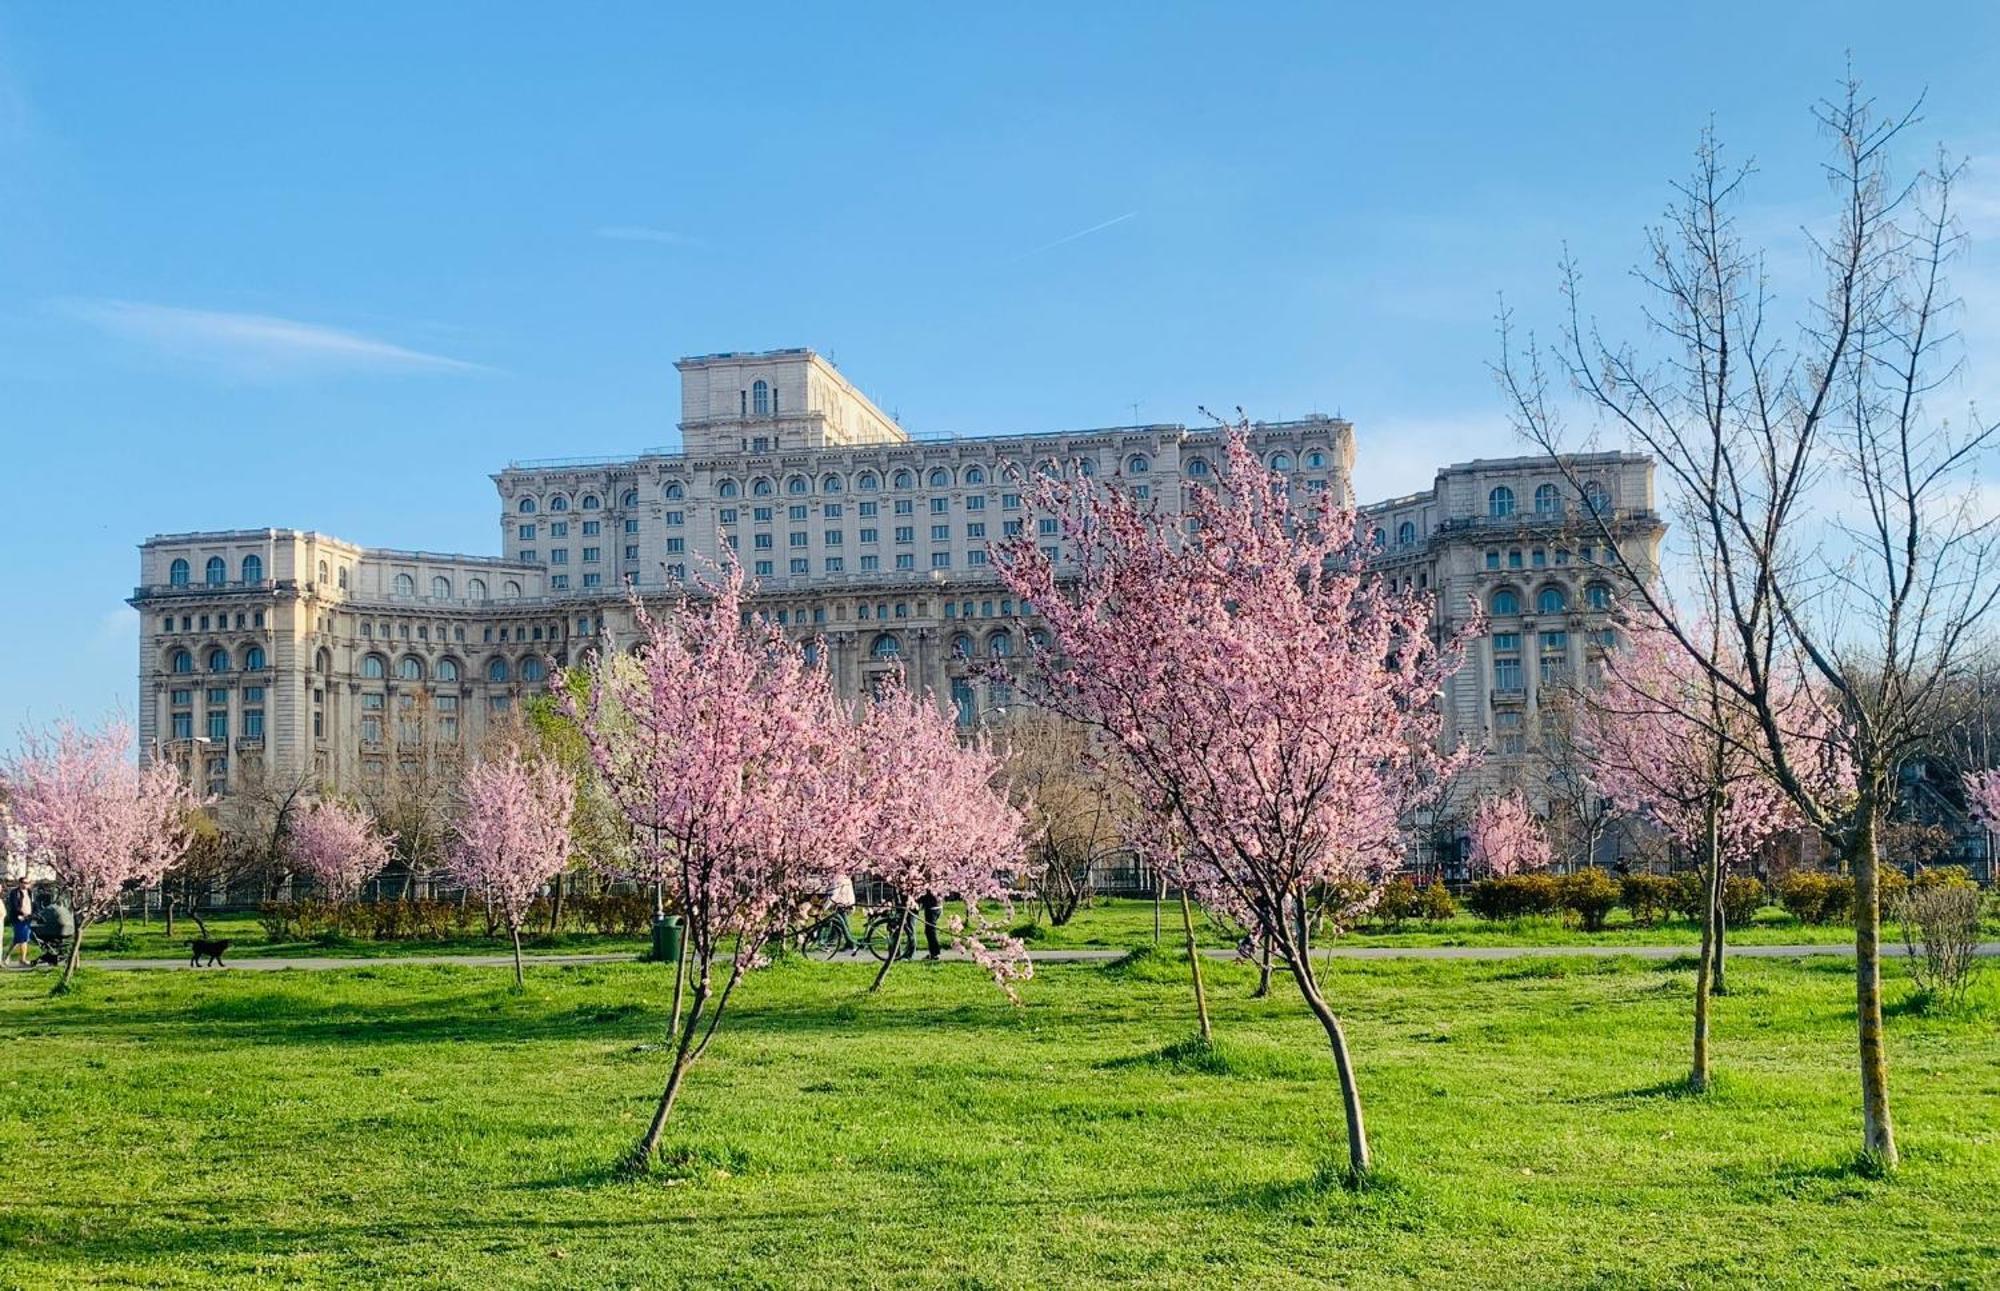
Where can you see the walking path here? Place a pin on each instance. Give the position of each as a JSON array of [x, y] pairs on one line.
[[315, 964]]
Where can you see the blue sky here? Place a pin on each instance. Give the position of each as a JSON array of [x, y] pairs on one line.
[[327, 266]]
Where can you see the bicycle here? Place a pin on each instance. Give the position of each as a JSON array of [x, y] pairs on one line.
[[829, 937], [885, 929]]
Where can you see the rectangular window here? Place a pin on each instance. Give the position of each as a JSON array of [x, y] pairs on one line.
[[1492, 560], [500, 703], [1010, 528], [904, 560], [797, 538], [903, 506], [632, 549], [559, 582], [977, 502], [728, 515], [831, 511], [1555, 669], [527, 556], [253, 694], [761, 515], [591, 528], [319, 724], [217, 697], [1506, 641], [795, 513], [869, 509], [762, 569], [218, 724], [906, 533], [1144, 491], [800, 565], [940, 560], [591, 555], [869, 535], [1507, 674], [1555, 642], [832, 537], [734, 543], [1047, 527], [869, 564], [763, 542], [1539, 558], [940, 533], [835, 565], [975, 557], [593, 580], [1010, 502], [558, 528], [182, 698], [183, 726], [526, 533], [560, 556], [940, 506], [977, 529], [632, 524], [253, 723], [1514, 559], [1507, 730]]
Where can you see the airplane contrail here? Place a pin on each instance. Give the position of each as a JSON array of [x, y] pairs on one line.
[[1080, 233]]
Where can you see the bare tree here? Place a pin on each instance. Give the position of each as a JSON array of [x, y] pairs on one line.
[[1077, 812], [1835, 510]]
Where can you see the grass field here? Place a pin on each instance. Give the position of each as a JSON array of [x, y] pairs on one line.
[[1114, 924], [426, 1126]]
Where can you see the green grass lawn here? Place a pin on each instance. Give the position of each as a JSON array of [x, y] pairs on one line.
[[1113, 924], [426, 1126]]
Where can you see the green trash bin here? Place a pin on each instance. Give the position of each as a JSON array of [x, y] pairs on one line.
[[667, 939]]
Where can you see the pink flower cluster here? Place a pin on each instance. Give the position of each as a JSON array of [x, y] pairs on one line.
[[338, 845], [512, 832], [1507, 838], [1272, 703], [84, 808]]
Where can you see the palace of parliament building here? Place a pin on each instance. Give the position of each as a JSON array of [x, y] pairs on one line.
[[291, 654]]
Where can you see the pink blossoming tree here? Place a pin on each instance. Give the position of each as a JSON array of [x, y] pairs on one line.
[[512, 834], [724, 746], [1982, 794], [1506, 837], [1272, 704], [1667, 743], [939, 827], [82, 807], [338, 846]]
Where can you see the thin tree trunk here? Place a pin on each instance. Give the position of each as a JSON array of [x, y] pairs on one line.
[[1159, 895], [895, 948], [1263, 969], [1194, 969], [649, 1146], [680, 981], [1878, 1134], [169, 903], [1718, 885], [1359, 1160], [69, 960], [514, 927], [1712, 863]]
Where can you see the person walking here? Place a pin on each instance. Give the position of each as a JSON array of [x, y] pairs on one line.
[[929, 904], [20, 920]]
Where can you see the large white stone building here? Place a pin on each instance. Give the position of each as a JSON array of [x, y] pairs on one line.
[[290, 654]]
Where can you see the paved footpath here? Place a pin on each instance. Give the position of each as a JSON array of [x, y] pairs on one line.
[[326, 963]]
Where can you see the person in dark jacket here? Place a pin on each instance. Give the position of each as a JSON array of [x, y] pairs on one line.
[[20, 919]]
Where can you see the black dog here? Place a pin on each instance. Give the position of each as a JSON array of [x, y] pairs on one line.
[[211, 949]]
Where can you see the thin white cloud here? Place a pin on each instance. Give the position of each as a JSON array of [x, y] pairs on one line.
[[1080, 233], [640, 233], [255, 344]]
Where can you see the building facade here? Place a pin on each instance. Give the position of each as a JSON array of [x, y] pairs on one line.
[[284, 654]]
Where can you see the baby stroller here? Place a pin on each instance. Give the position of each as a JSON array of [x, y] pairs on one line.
[[55, 928]]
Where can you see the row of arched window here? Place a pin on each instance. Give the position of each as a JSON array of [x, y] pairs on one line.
[[560, 502], [1551, 599], [938, 477], [375, 667], [216, 573], [1501, 502], [218, 659]]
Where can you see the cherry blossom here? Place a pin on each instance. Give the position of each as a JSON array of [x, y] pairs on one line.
[[512, 834], [337, 844], [1507, 838]]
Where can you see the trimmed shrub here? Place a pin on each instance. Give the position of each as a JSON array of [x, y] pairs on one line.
[[1816, 898], [1941, 930], [1397, 904], [1688, 895], [1434, 903], [1742, 897], [1590, 895], [1515, 896], [1650, 897]]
